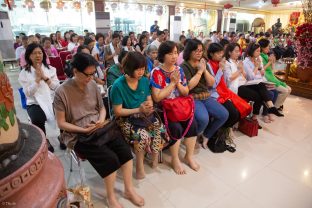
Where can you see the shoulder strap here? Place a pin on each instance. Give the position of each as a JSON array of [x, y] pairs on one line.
[[188, 125]]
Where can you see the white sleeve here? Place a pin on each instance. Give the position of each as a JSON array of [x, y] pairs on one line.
[[53, 77], [29, 87]]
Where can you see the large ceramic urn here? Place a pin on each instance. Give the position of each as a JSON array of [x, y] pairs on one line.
[[30, 175]]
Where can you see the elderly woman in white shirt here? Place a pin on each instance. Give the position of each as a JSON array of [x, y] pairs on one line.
[[39, 82], [237, 72]]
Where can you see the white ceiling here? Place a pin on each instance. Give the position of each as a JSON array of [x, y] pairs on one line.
[[258, 4]]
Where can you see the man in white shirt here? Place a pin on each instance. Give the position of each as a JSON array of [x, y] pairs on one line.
[[160, 39], [21, 49], [214, 37]]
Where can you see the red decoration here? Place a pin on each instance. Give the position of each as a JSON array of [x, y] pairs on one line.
[[228, 6], [294, 18], [275, 2], [10, 3]]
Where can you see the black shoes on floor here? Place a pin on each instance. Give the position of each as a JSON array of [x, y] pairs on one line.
[[275, 111], [62, 145], [50, 147]]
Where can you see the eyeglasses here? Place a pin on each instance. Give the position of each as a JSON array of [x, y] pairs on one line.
[[88, 75], [198, 51]]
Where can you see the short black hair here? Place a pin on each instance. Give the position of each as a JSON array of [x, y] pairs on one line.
[[229, 49], [191, 46], [224, 42], [45, 38], [160, 32], [130, 33], [88, 40], [251, 49], [145, 32], [98, 36], [181, 36], [267, 34], [25, 38], [214, 48], [85, 30], [125, 40], [30, 48], [264, 43], [115, 35], [133, 61], [80, 48], [81, 61], [165, 48]]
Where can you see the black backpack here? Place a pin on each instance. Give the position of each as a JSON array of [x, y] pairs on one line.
[[68, 69], [217, 143]]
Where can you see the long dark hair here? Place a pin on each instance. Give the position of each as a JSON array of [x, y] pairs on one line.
[[30, 48]]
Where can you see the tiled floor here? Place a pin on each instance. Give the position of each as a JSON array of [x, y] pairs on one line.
[[273, 170]]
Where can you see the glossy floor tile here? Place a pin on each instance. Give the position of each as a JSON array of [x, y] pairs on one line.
[[273, 170]]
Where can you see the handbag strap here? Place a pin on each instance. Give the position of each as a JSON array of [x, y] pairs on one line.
[[188, 125]]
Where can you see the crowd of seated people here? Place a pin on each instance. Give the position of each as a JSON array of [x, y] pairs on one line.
[[219, 73]]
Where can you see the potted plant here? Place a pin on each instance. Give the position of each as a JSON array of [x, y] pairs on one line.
[[304, 44]]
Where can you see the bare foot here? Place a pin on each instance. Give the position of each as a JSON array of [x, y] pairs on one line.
[[140, 174], [113, 203], [205, 143], [266, 119], [134, 198], [154, 163], [192, 163], [271, 117], [177, 167], [254, 117]]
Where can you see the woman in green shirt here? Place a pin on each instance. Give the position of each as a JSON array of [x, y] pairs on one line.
[[115, 71], [268, 65], [133, 107]]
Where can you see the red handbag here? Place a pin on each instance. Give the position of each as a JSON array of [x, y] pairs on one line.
[[249, 127], [178, 109]]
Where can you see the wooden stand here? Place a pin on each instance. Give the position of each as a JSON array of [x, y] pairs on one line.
[[299, 88]]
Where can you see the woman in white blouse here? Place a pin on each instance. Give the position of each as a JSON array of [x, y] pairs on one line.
[[73, 42], [251, 69], [39, 82]]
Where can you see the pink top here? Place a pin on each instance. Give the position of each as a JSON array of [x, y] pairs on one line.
[[53, 51], [22, 60], [180, 59]]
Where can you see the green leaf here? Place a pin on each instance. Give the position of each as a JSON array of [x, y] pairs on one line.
[[3, 111], [11, 117], [4, 125]]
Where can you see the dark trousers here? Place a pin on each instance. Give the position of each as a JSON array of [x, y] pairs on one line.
[[234, 115], [256, 93], [37, 116]]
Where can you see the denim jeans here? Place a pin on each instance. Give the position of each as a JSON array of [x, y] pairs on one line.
[[204, 111], [273, 96]]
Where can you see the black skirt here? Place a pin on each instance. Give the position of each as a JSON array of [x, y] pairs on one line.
[[106, 158]]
